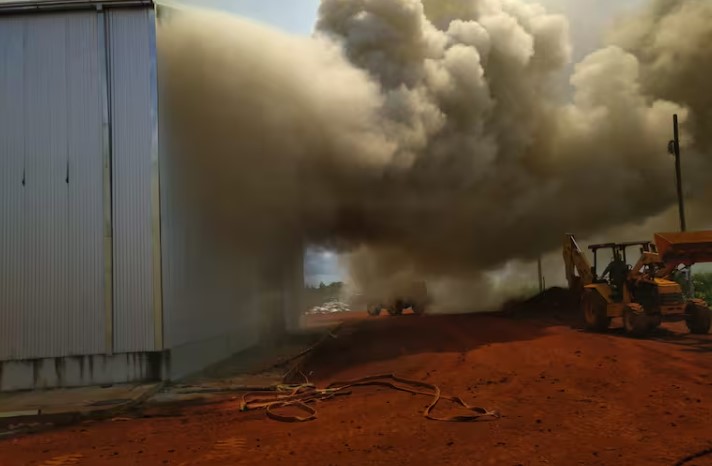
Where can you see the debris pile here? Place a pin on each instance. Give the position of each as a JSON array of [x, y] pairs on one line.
[[556, 302], [330, 307]]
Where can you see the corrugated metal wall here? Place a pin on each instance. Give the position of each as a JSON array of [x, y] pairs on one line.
[[132, 132], [212, 296], [51, 272], [53, 144], [209, 297], [55, 72], [211, 292], [207, 294], [12, 155]]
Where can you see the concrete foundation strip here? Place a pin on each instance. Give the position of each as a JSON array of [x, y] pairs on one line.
[[302, 396], [41, 422], [293, 364]]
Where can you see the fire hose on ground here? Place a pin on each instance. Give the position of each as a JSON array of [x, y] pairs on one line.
[[303, 396]]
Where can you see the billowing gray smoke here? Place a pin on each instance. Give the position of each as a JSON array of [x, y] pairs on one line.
[[670, 40], [423, 136]]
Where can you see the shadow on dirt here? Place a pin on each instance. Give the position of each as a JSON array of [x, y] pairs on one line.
[[677, 337], [368, 340], [555, 305], [385, 338], [693, 343], [671, 333]]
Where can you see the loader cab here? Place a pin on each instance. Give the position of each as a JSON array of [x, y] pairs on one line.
[[616, 251]]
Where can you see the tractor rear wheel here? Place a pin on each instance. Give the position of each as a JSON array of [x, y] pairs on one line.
[[595, 311], [636, 323], [698, 317]]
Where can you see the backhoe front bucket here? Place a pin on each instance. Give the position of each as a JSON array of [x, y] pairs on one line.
[[686, 248]]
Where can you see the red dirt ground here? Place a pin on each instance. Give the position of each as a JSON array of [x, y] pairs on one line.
[[567, 398]]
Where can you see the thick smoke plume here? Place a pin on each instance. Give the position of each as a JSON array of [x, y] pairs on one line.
[[424, 138]]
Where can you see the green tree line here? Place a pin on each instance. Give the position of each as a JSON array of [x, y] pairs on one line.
[[318, 295], [703, 286]]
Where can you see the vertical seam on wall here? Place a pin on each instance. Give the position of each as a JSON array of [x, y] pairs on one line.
[[155, 187], [24, 346], [69, 284], [104, 62]]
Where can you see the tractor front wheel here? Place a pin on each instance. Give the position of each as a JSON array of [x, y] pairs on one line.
[[636, 323], [595, 311], [698, 317], [374, 311]]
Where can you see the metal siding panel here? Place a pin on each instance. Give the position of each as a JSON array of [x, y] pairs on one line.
[[173, 244], [47, 287], [207, 294], [86, 254], [106, 180], [44, 329], [132, 132], [155, 187], [196, 306], [12, 150]]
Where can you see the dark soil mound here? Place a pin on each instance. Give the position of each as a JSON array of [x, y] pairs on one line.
[[556, 302]]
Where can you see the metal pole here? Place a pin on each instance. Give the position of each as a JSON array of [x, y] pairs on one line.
[[680, 197], [541, 276], [678, 171]]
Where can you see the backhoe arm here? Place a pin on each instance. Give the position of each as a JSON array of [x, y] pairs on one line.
[[578, 269]]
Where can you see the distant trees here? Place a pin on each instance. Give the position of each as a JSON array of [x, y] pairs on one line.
[[317, 295], [703, 286]]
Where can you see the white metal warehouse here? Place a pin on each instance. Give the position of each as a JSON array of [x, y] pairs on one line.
[[102, 277]]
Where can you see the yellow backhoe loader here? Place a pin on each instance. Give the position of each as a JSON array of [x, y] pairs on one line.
[[643, 294]]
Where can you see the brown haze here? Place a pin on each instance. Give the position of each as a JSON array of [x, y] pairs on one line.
[[424, 138]]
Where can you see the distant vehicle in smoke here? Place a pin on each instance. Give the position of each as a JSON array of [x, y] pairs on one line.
[[413, 296]]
